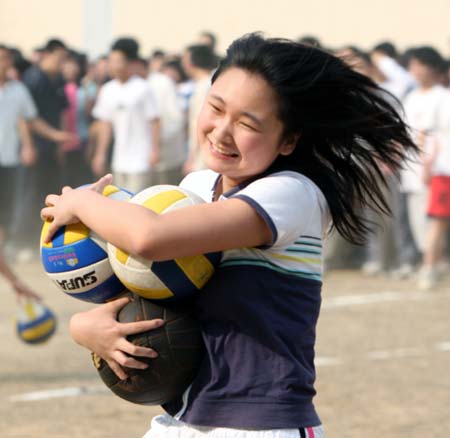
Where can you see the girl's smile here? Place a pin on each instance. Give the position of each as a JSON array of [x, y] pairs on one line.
[[239, 130]]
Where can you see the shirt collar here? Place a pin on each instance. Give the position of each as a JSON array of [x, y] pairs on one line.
[[236, 189]]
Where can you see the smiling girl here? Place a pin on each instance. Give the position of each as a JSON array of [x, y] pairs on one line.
[[294, 141]]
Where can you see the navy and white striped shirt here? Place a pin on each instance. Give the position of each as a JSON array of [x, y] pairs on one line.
[[259, 312]]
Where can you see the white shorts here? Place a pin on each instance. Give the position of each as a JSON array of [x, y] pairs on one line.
[[165, 426]]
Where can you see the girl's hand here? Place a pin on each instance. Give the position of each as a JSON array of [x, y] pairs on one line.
[[60, 209], [100, 332]]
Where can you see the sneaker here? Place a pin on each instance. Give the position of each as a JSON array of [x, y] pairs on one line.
[[25, 255], [371, 268], [402, 272], [428, 278]]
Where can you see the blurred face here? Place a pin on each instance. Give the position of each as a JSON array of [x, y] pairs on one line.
[[156, 63], [70, 70], [5, 62], [172, 73], [101, 70], [54, 60], [423, 74], [118, 65], [238, 128]]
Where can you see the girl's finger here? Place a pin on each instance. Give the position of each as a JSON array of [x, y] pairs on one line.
[[51, 200], [115, 305], [131, 328], [102, 182], [136, 350], [46, 213], [117, 369], [130, 362], [51, 232]]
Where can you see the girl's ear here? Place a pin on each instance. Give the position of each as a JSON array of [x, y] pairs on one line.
[[288, 146]]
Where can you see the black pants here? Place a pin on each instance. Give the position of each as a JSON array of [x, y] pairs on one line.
[[8, 195], [35, 182]]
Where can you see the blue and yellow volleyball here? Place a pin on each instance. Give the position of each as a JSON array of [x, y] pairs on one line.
[[35, 322], [76, 260], [169, 280]]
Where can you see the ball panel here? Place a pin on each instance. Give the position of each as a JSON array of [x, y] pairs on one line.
[[73, 257], [197, 268], [83, 279], [135, 275], [109, 190], [122, 256], [106, 291], [158, 203], [173, 278], [184, 202], [214, 257], [75, 232], [150, 293], [44, 232]]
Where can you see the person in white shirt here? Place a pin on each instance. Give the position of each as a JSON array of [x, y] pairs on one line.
[[172, 138], [127, 107], [397, 80], [198, 61], [422, 108]]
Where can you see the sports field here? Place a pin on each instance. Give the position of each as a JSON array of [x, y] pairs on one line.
[[383, 367]]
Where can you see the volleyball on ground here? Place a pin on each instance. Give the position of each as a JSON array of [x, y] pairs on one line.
[[180, 351], [35, 323], [169, 280], [76, 259]]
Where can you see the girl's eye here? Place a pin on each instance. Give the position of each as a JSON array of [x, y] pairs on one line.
[[215, 108], [247, 126]]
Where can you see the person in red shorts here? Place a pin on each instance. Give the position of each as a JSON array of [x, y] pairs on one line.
[[437, 175]]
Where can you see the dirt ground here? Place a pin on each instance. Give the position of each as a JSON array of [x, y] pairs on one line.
[[383, 366]]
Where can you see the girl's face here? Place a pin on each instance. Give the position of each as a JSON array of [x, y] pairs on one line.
[[422, 73], [238, 128], [70, 70]]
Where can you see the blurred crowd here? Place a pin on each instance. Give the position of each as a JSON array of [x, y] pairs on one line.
[[66, 119]]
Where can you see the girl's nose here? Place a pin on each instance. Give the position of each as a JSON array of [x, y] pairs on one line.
[[222, 132]]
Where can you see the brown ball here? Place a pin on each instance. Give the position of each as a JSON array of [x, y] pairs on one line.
[[180, 351]]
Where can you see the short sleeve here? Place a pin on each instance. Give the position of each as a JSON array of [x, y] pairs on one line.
[[150, 106], [28, 108], [289, 203], [102, 110]]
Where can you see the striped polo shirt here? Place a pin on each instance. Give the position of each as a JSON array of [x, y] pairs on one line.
[[259, 312]]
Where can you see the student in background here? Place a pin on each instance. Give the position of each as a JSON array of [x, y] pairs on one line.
[[198, 62], [126, 106]]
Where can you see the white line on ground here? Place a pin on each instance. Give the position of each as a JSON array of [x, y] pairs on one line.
[[396, 353], [325, 361], [378, 297], [320, 361], [71, 391]]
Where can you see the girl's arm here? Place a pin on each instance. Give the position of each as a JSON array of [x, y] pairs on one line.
[[188, 231], [138, 231]]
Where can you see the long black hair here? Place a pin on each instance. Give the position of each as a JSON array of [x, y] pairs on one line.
[[346, 129]]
